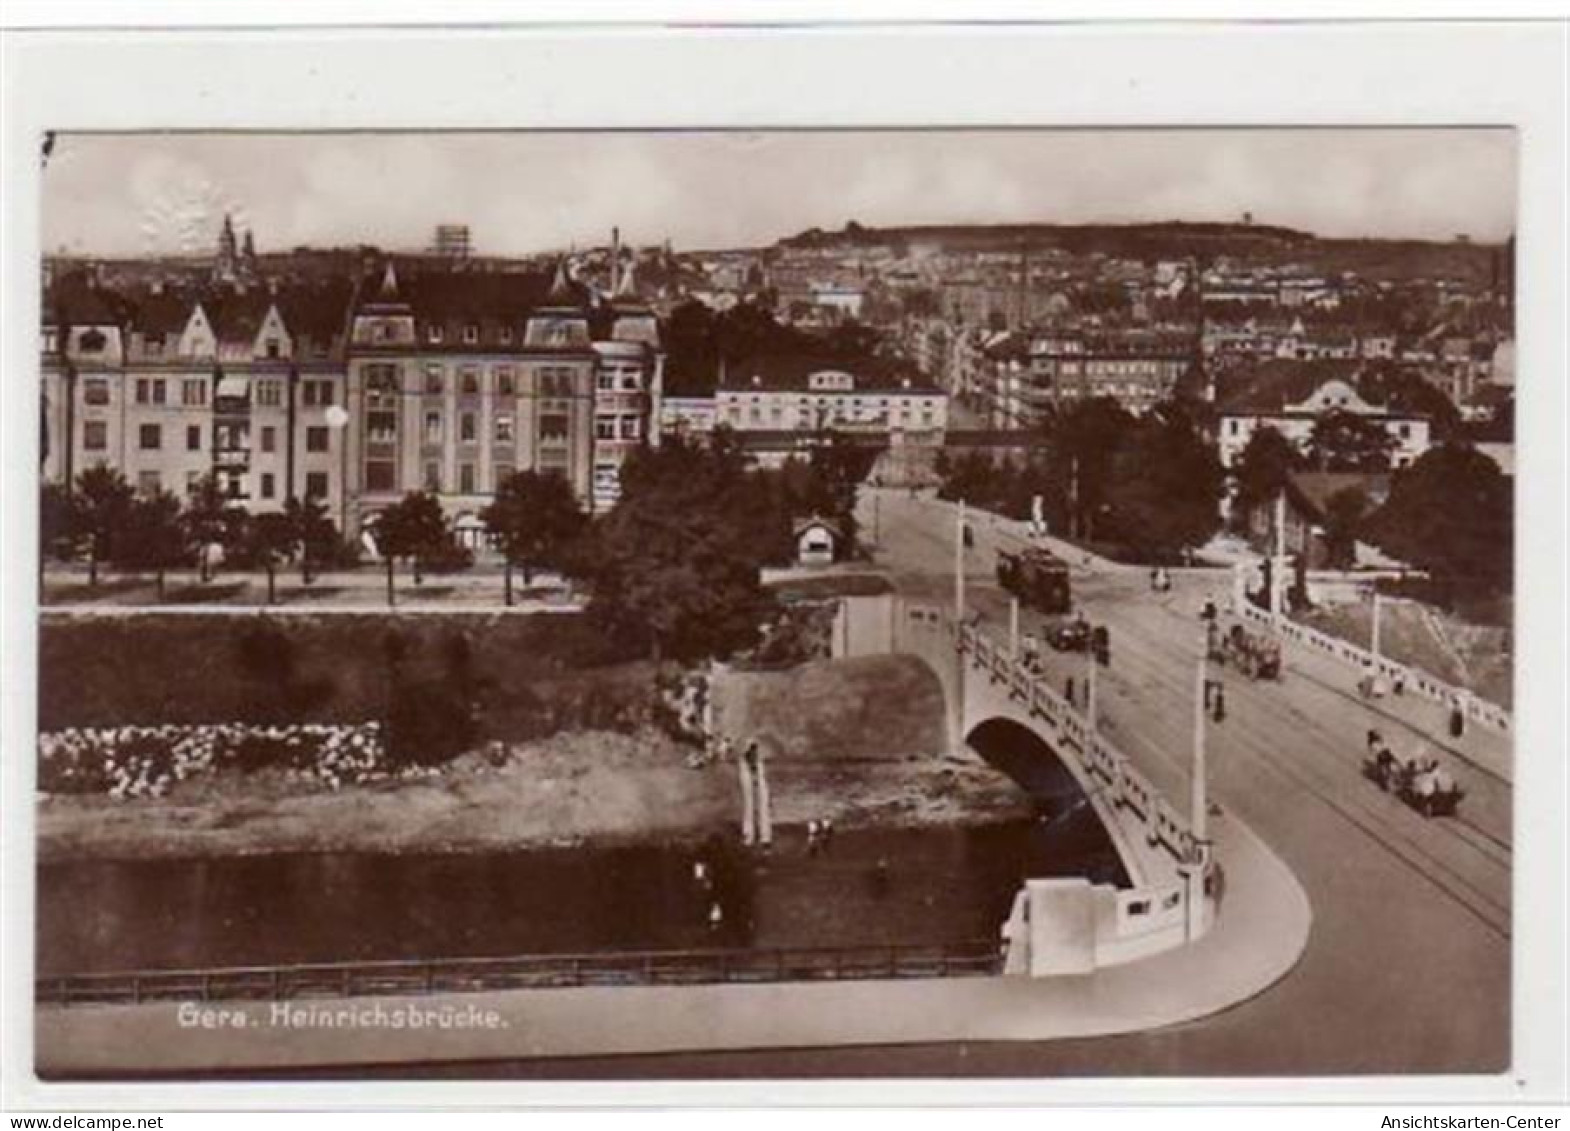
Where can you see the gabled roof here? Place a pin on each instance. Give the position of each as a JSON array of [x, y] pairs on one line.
[[75, 301], [1272, 385], [161, 312]]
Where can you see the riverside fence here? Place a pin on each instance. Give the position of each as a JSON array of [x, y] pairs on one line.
[[462, 975]]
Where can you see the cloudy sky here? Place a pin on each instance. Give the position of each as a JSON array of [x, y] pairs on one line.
[[521, 192]]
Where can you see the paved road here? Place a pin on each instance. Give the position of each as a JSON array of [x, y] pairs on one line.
[[1408, 964]]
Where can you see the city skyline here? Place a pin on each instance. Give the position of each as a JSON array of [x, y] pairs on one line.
[[166, 193]]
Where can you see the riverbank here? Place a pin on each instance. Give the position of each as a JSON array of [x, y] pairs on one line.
[[570, 789]]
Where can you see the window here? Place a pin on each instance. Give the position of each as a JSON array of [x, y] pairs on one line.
[[471, 333], [433, 379], [605, 429], [433, 475], [469, 381], [316, 439], [381, 427], [379, 475], [630, 381], [500, 473], [466, 428], [316, 482], [150, 437], [553, 427], [267, 484], [272, 351], [606, 382], [95, 390], [434, 333], [466, 478], [504, 380], [193, 392], [269, 438], [148, 482], [193, 437], [433, 428], [504, 429], [269, 393], [193, 482], [506, 335], [629, 426], [1232, 427], [95, 436], [318, 393]]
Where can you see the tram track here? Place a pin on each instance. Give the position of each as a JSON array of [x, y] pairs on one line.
[[1154, 663]]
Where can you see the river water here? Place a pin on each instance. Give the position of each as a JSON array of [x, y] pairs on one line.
[[874, 886]]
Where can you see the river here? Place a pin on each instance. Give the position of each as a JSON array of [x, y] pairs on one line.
[[868, 886]]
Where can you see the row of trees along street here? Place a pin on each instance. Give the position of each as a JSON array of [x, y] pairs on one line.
[[672, 569], [100, 517], [1146, 487]]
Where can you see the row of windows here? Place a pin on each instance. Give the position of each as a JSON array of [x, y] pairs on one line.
[[554, 381], [193, 392], [316, 487], [150, 437]]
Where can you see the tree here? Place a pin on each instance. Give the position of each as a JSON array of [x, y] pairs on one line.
[[1403, 390], [103, 502], [1165, 485], [1084, 439], [533, 519], [270, 538], [153, 537], [1266, 462], [59, 523], [415, 528], [311, 530], [675, 566], [212, 518], [1347, 441], [1450, 513], [1344, 513]]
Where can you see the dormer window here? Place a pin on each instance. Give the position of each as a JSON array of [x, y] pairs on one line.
[[471, 334], [272, 348], [434, 334], [506, 335]]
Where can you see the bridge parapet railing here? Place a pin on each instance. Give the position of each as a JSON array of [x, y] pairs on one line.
[[1124, 785], [1410, 678]]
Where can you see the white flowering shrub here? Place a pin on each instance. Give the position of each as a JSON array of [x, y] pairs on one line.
[[145, 761]]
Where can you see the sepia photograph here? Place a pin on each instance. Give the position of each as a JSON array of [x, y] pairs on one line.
[[958, 602], [587, 569]]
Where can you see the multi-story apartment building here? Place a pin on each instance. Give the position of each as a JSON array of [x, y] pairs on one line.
[[456, 380], [1029, 377], [629, 385], [1292, 396], [798, 394], [351, 393], [169, 386]]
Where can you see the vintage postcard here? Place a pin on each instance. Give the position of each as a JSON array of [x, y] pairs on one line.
[[644, 603]]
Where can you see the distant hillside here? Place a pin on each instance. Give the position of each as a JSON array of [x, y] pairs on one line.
[[1373, 258], [1166, 239]]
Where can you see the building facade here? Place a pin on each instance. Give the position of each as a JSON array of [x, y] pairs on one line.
[[350, 393]]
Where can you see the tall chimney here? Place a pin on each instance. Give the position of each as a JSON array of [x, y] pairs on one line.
[[615, 258]]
